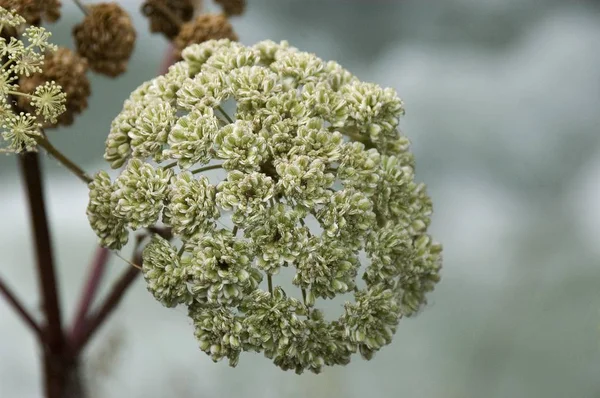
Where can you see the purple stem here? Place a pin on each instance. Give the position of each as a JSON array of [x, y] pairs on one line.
[[96, 274], [16, 304]]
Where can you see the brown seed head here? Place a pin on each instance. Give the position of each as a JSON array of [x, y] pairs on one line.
[[166, 16], [68, 70], [232, 7], [106, 38], [204, 27], [34, 11]]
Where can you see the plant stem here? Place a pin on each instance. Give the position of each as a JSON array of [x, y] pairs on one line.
[[16, 304], [54, 373], [81, 6], [108, 306], [149, 8], [206, 168], [69, 164], [270, 282], [96, 273], [110, 303], [170, 166], [229, 119]]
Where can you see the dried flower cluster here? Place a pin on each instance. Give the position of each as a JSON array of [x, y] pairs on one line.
[[23, 59], [167, 16], [106, 38], [205, 27], [307, 140], [34, 11], [232, 7]]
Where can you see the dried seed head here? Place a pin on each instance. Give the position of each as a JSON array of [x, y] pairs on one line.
[[106, 38], [166, 16], [203, 28], [68, 70], [232, 7], [34, 11]]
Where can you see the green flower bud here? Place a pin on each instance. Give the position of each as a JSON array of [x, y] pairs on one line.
[[191, 206], [139, 193], [101, 213], [166, 275]]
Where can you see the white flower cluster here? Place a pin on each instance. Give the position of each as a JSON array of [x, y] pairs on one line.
[[24, 58], [306, 139]]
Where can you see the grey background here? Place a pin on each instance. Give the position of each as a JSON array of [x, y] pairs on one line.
[[503, 101]]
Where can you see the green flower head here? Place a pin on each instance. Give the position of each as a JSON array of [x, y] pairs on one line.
[[23, 57], [261, 159]]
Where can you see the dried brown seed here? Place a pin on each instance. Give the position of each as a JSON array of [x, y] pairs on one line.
[[204, 27], [68, 70], [106, 37], [166, 16], [232, 7]]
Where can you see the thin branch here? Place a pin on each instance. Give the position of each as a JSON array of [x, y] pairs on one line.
[[156, 6], [69, 164], [170, 166], [81, 6], [229, 119], [206, 168], [30, 167], [16, 304], [97, 270], [110, 303]]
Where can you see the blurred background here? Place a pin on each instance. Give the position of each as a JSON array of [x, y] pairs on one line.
[[503, 109]]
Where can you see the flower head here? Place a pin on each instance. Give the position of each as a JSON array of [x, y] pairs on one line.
[[46, 99], [313, 174]]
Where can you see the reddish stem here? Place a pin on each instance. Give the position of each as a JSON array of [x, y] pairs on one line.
[[97, 271], [54, 375], [108, 306], [16, 304]]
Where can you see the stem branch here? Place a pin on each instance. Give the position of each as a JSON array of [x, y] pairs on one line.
[[16, 304], [206, 168], [229, 119], [81, 6], [110, 303], [69, 164], [96, 273]]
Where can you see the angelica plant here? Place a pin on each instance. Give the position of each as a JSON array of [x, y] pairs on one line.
[[306, 139], [316, 174]]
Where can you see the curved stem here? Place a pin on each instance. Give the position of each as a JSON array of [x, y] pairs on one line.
[[206, 168], [69, 164]]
